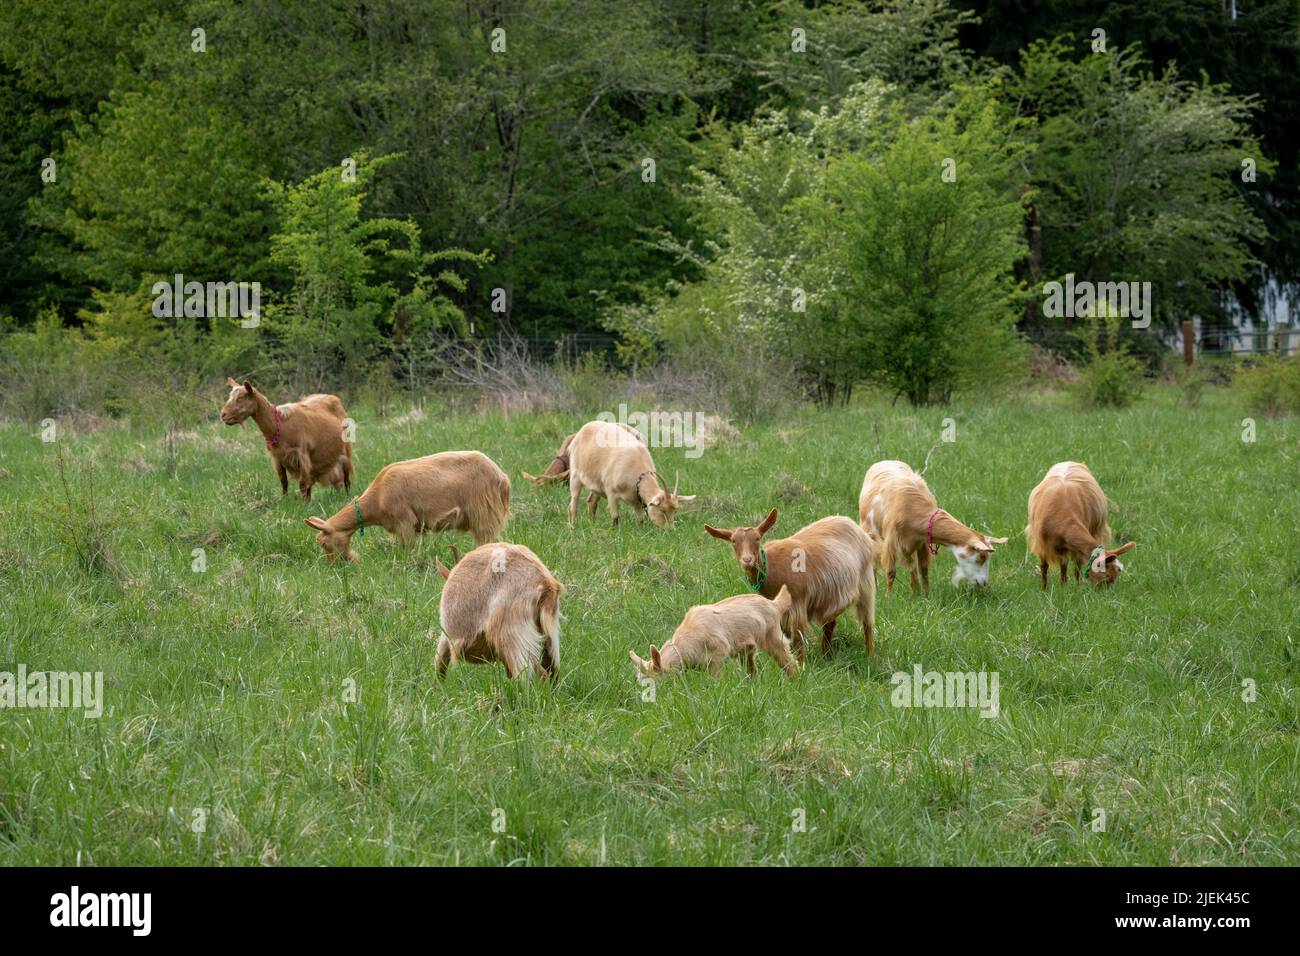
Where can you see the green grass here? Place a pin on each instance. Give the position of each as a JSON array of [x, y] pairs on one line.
[[225, 689]]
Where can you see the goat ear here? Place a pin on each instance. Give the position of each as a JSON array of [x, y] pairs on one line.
[[767, 522], [979, 544], [249, 386], [231, 382], [1122, 550], [723, 533], [654, 657], [640, 664], [447, 520], [317, 523], [685, 499], [992, 540]]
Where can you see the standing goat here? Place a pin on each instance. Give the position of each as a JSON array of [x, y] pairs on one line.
[[460, 490], [735, 627], [304, 438], [500, 603], [897, 509], [1067, 522], [613, 461], [827, 567]]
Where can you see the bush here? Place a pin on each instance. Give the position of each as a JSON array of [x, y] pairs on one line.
[[1113, 376], [1271, 385]]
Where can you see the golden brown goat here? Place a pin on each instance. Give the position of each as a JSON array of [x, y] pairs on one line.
[[735, 627], [827, 566], [500, 603], [897, 509], [613, 461], [1067, 522], [457, 490], [305, 439]]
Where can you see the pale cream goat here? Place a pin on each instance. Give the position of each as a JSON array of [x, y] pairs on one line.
[[827, 566], [613, 461], [1067, 523], [457, 490], [735, 627], [897, 509], [501, 603]]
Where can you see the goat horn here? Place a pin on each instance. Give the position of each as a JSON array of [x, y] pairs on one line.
[[676, 481]]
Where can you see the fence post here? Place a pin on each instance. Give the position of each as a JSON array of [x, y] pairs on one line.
[[1189, 351]]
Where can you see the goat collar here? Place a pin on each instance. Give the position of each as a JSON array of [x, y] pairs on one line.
[[763, 576], [360, 524], [640, 478], [929, 532], [274, 439]]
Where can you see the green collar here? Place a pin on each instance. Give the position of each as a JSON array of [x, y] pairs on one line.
[[360, 524], [763, 576]]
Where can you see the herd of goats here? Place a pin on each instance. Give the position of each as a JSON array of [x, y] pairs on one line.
[[501, 603]]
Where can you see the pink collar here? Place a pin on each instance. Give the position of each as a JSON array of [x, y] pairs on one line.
[[271, 442], [929, 530]]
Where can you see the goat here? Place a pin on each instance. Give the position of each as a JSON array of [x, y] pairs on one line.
[[557, 470], [734, 627], [828, 566], [500, 603], [896, 508], [613, 461], [1067, 522], [460, 490], [304, 438]]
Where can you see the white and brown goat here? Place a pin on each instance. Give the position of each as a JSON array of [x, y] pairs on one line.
[[827, 567], [735, 627], [501, 603], [1067, 523], [305, 439], [612, 460], [456, 490], [897, 509]]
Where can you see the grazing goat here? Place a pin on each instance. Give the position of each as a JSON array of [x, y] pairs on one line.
[[1067, 522], [827, 567], [735, 627], [460, 490], [897, 509], [304, 438], [557, 470], [500, 603], [613, 461]]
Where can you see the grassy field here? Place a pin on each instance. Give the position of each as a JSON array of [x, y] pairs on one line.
[[226, 688]]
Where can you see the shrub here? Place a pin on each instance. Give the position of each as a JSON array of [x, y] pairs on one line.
[[1271, 385], [1113, 376]]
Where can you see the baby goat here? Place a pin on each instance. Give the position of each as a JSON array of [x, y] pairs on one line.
[[1067, 522], [612, 460], [500, 603], [897, 509], [827, 567], [735, 627], [460, 490]]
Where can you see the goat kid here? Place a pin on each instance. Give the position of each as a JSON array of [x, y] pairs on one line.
[[735, 627]]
